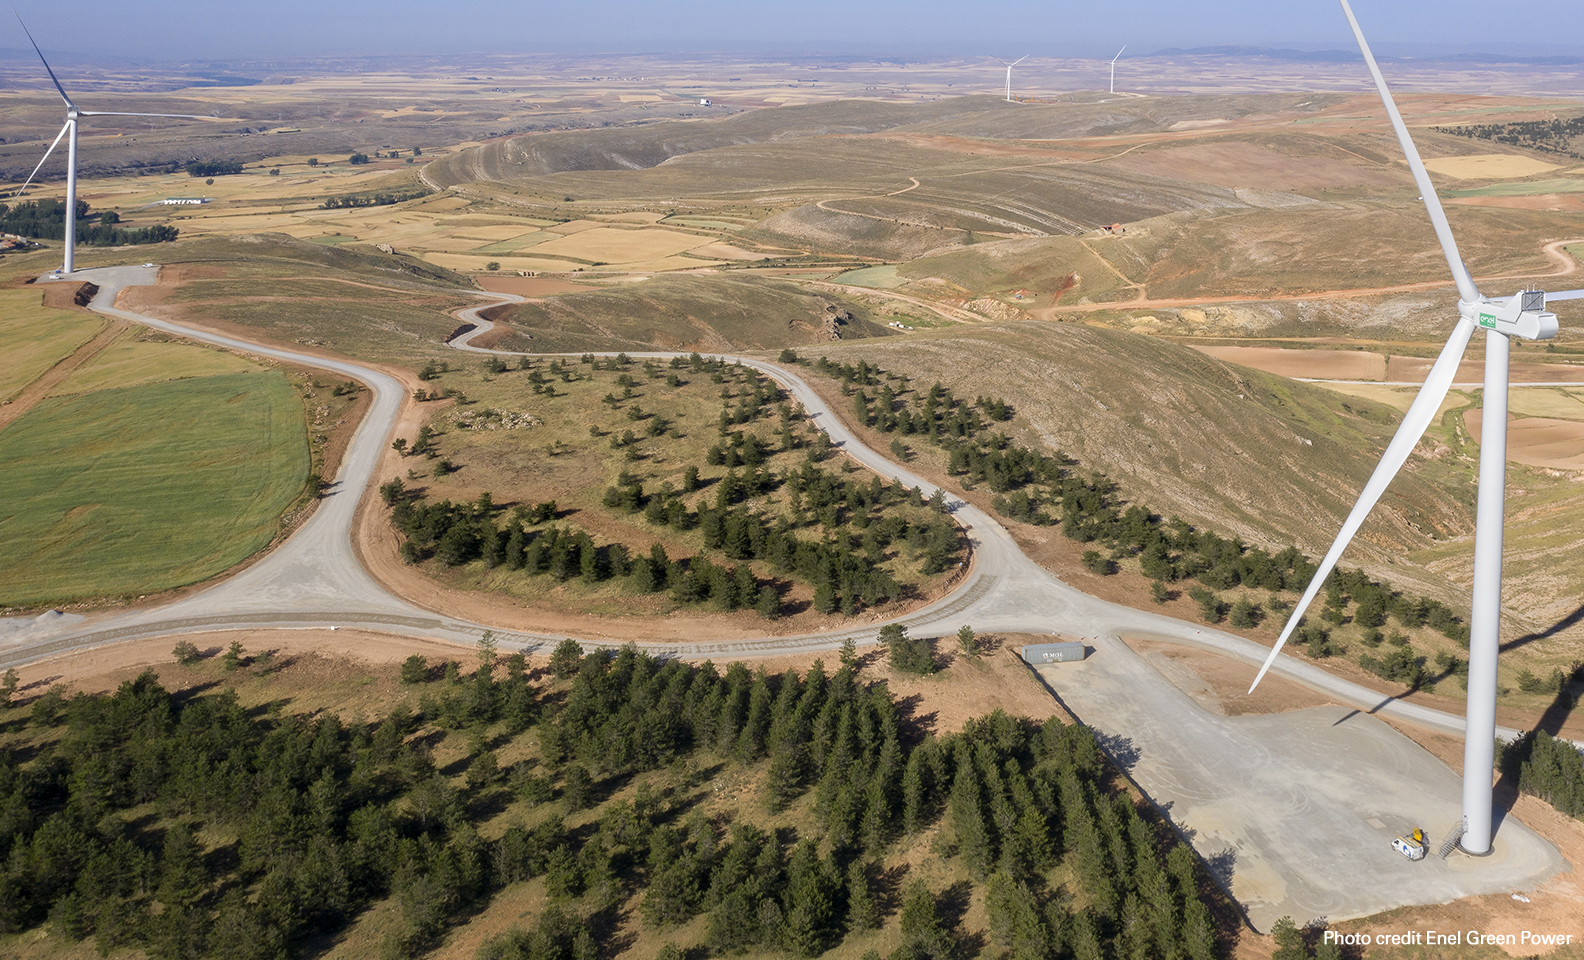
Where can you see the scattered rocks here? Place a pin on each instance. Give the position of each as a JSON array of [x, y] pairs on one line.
[[490, 419]]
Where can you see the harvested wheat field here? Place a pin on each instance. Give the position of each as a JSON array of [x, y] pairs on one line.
[[1538, 441], [1305, 364], [1489, 166]]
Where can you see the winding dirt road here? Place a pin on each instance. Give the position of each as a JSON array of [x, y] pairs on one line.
[[1292, 792], [315, 579]]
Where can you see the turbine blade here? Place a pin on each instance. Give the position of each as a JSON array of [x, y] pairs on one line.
[[1467, 292], [1565, 295], [46, 156], [1119, 54], [1021, 59], [116, 113], [47, 69], [1419, 415]]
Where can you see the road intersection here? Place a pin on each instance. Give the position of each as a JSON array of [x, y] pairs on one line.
[[314, 580]]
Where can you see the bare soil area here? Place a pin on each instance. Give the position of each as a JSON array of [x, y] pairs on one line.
[[1415, 369], [1537, 441], [1314, 364], [529, 286], [1549, 202]]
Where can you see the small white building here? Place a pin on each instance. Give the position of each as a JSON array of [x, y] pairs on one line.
[[704, 101], [183, 201]]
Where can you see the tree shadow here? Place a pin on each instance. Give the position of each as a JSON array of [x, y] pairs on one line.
[[1511, 758], [43, 683], [1121, 750], [913, 727], [887, 888], [1572, 619]]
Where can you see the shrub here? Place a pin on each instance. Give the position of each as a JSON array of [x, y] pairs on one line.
[[186, 654], [566, 659], [907, 654], [415, 669], [1245, 614]]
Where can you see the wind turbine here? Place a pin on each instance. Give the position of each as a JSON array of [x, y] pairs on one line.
[[1009, 67], [1113, 67], [70, 132], [1521, 315]]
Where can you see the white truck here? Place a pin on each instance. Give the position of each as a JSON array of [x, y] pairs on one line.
[[1412, 847]]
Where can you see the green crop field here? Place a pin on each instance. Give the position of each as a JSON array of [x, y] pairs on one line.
[[879, 278], [139, 489], [142, 356], [34, 338]]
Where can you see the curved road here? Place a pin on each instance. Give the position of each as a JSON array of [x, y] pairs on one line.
[[315, 580]]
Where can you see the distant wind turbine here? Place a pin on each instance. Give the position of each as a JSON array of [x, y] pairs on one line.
[[70, 132], [1522, 315], [1009, 67], [1113, 67]]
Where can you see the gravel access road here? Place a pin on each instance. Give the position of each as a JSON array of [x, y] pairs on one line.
[[1234, 784]]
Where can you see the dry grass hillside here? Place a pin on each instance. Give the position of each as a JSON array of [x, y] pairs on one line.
[[649, 145], [697, 312], [641, 146], [1260, 253], [814, 228], [1272, 460]]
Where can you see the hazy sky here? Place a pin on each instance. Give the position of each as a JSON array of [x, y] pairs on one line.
[[186, 29]]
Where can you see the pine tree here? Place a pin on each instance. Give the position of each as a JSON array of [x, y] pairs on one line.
[[1289, 942], [863, 913], [922, 932]]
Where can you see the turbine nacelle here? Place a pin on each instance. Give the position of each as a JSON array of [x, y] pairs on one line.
[[1522, 315]]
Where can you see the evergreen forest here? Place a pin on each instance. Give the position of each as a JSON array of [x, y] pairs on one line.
[[188, 825]]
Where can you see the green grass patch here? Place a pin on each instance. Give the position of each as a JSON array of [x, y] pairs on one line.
[[879, 278], [141, 356], [146, 488], [34, 338]]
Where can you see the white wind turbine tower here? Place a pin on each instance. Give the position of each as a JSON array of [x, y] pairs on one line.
[[1009, 67], [1522, 315], [70, 132], [1113, 67]]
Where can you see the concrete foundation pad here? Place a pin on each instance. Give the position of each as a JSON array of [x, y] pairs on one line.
[[1294, 812]]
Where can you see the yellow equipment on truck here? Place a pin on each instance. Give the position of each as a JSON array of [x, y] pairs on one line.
[[1412, 846]]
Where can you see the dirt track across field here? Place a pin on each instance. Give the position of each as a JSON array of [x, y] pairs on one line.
[[36, 391]]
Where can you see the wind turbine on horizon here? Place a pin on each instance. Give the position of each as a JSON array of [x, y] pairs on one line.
[[69, 130], [1009, 67], [1522, 315], [1113, 67]]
